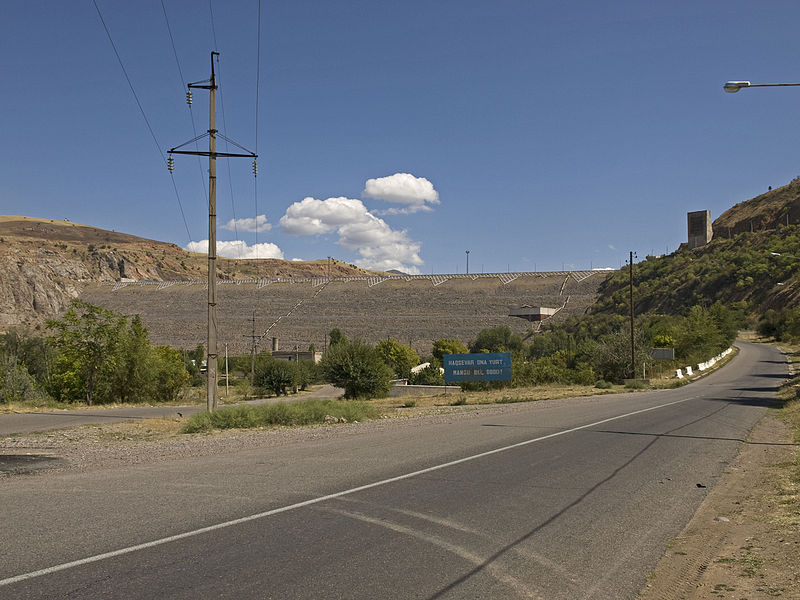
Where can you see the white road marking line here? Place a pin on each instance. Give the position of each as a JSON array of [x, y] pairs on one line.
[[275, 511]]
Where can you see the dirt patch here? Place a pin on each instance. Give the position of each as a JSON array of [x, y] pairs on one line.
[[744, 540]]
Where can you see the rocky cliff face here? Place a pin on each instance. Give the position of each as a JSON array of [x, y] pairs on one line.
[[37, 284], [34, 288], [45, 263]]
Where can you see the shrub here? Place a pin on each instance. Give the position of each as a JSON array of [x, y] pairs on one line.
[[636, 384], [280, 414], [399, 357], [276, 376], [447, 346], [358, 368], [430, 375], [496, 339], [17, 385], [602, 384]]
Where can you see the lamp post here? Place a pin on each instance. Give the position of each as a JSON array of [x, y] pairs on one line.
[[734, 86]]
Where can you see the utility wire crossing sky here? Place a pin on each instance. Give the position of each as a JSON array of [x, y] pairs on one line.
[[536, 135]]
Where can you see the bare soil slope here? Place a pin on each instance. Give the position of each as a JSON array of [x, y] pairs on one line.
[[777, 207], [45, 263]]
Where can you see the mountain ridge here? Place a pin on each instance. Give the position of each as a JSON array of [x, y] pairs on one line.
[[45, 263]]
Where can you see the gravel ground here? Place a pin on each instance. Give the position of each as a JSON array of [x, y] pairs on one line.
[[93, 447]]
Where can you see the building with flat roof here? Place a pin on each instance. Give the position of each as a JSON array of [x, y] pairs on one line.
[[532, 313], [699, 226]]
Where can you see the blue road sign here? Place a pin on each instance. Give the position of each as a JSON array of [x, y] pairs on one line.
[[492, 366]]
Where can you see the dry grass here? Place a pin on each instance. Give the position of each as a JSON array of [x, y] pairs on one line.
[[422, 404], [139, 431]]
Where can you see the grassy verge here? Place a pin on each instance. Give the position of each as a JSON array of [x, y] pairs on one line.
[[188, 396], [309, 412]]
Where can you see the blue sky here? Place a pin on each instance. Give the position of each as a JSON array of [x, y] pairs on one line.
[[535, 134]]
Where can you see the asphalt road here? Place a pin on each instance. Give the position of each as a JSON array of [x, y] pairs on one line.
[[59, 419], [569, 500]]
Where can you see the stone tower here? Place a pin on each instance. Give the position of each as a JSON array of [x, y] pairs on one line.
[[700, 231]]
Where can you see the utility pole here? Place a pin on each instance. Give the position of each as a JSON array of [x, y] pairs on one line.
[[253, 338], [212, 154], [633, 347], [467, 262]]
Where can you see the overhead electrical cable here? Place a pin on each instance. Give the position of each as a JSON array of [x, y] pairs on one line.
[[255, 164], [188, 104], [224, 126], [144, 115], [227, 160]]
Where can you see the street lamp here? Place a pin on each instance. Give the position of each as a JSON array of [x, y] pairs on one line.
[[734, 86]]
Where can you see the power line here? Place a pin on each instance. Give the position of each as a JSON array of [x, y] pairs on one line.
[[224, 123], [255, 165], [188, 96], [141, 110], [213, 30], [228, 160]]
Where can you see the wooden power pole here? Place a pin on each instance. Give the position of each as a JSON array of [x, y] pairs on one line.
[[212, 154]]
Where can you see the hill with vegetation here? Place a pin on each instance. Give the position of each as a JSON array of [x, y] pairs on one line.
[[753, 260]]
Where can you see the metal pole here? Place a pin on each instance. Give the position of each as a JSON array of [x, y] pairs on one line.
[[226, 370], [467, 262], [211, 389], [253, 351], [633, 348]]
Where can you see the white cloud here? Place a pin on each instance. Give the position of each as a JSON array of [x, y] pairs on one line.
[[257, 225], [238, 249], [313, 217], [379, 245], [416, 193]]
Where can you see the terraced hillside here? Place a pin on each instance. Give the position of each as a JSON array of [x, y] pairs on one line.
[[414, 310]]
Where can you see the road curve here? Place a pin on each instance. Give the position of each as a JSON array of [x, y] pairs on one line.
[[570, 500]]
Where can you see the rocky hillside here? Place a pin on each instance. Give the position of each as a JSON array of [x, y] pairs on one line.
[[754, 258], [45, 263], [766, 212]]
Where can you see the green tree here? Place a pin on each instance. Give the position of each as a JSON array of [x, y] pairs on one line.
[[399, 357], [430, 375], [169, 376], [16, 384], [276, 376], [700, 336], [447, 346], [496, 339], [612, 360], [88, 338], [30, 352], [358, 368], [193, 361], [336, 337], [134, 375], [307, 373]]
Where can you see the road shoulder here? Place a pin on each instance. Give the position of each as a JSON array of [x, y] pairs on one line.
[[744, 540]]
